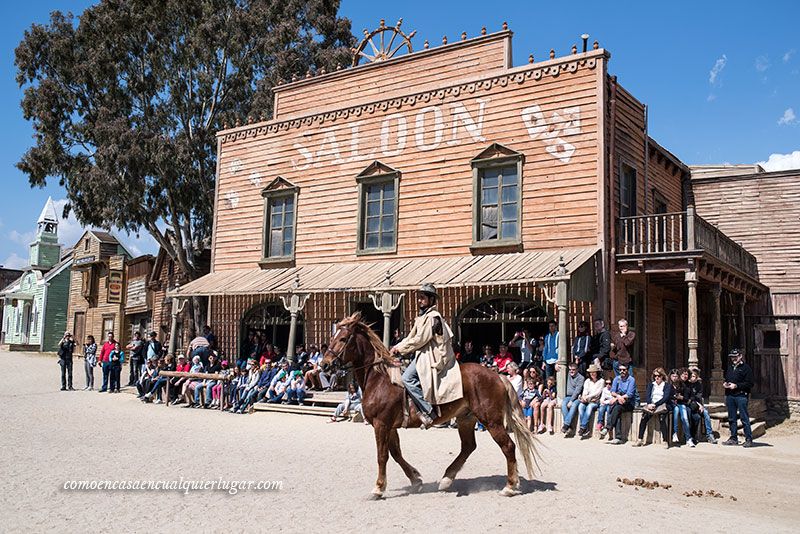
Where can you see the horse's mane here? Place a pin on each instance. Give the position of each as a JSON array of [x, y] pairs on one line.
[[355, 323]]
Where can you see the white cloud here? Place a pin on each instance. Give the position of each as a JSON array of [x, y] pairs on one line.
[[788, 55], [788, 118], [715, 71], [711, 97], [22, 238], [782, 162], [762, 63], [14, 261]]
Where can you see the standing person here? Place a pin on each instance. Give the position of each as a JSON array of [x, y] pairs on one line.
[[198, 346], [622, 347], [65, 349], [570, 403], [136, 351], [550, 351], [526, 345], [154, 348], [549, 402], [657, 402], [738, 384], [89, 361], [601, 345], [623, 392], [433, 376], [210, 337], [116, 361], [581, 353], [105, 359]]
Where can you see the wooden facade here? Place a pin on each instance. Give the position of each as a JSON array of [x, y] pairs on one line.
[[589, 175]]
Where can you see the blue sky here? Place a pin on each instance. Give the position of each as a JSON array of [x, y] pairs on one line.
[[721, 79]]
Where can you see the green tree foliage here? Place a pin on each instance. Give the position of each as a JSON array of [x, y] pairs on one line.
[[126, 100]]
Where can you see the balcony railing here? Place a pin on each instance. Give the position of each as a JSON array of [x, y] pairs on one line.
[[670, 233]]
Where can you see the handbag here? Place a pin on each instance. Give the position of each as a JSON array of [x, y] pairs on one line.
[[661, 408]]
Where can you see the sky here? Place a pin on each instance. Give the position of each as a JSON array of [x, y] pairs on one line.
[[721, 79]]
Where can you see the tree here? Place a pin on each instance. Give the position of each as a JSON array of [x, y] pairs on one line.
[[125, 102]]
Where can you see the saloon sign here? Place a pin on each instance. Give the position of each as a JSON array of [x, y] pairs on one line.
[[115, 286], [434, 126]]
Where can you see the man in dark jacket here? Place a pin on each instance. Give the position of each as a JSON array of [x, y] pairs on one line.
[[469, 355], [622, 347], [601, 345], [65, 349], [738, 383]]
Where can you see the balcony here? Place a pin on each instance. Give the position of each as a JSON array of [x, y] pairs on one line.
[[681, 235]]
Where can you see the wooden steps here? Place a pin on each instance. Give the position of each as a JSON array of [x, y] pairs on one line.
[[320, 403]]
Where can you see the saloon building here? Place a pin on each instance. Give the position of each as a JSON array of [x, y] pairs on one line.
[[524, 193]]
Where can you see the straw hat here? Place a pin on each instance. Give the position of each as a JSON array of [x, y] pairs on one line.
[[593, 369]]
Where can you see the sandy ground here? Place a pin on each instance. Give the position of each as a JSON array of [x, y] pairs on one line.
[[49, 437]]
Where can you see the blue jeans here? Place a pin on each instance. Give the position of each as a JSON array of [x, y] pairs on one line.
[[275, 398], [615, 365], [601, 414], [585, 413], [106, 366], [411, 382], [681, 413], [159, 383], [296, 395], [734, 405], [569, 413]]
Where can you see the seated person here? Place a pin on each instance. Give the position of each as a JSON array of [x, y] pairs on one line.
[[658, 401], [604, 406], [147, 378], [192, 384], [623, 390], [530, 400], [590, 398], [218, 388], [250, 387], [549, 402], [296, 390], [698, 405], [351, 402], [313, 369], [503, 358], [488, 356], [682, 394], [214, 367], [278, 388], [570, 404], [515, 378]]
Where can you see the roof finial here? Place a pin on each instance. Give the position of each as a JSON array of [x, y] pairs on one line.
[[574, 49], [463, 36], [296, 283], [444, 40], [308, 73], [426, 44], [505, 26], [552, 53], [383, 23], [530, 58], [595, 45], [388, 277], [483, 30]]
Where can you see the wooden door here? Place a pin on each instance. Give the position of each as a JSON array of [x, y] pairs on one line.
[[79, 328]]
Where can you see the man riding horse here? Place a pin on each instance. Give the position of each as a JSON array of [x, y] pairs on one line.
[[433, 376]]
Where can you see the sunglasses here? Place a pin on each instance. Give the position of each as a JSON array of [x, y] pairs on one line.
[[623, 370]]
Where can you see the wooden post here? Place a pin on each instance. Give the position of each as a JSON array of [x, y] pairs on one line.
[[166, 393], [178, 303], [742, 334], [386, 306], [717, 391], [690, 245], [293, 303], [691, 317], [563, 329]]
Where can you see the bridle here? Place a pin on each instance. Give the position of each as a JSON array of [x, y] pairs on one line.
[[336, 362]]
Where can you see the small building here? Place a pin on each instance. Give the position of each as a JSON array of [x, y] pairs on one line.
[[138, 298], [7, 277], [35, 305], [761, 211], [97, 286]]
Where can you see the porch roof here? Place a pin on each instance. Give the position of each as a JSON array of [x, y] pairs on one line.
[[458, 271]]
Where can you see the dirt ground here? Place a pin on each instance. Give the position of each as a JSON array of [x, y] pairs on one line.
[[50, 437]]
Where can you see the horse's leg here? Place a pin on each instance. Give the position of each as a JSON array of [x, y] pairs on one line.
[[382, 444], [498, 431], [466, 431], [394, 449]]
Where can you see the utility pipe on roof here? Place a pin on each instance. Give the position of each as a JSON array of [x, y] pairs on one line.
[[612, 255]]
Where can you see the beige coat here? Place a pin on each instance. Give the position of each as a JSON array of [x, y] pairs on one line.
[[439, 374]]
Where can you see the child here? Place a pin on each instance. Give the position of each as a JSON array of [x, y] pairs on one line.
[[216, 389], [549, 403], [117, 358], [351, 402], [605, 404], [531, 399]]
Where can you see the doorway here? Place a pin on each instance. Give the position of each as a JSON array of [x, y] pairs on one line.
[[271, 321], [79, 328], [670, 335]]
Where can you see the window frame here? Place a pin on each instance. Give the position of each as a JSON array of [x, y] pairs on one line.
[[633, 208], [480, 165], [364, 182], [269, 195]]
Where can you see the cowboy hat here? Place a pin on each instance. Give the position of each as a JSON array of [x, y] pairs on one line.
[[593, 369], [428, 289]]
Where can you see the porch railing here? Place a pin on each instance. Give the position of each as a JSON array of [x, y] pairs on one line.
[[668, 233]]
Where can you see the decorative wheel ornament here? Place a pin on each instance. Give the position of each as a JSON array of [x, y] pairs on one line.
[[390, 40]]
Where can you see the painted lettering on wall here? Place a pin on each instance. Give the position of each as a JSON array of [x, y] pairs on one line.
[[428, 128]]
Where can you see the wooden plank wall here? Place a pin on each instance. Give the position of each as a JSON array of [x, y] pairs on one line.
[[559, 188], [324, 309], [762, 213], [393, 78]]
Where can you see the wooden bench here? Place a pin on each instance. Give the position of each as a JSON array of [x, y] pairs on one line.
[[203, 376]]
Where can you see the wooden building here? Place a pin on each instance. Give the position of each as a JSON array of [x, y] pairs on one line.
[[138, 299], [35, 304], [524, 193], [761, 211], [97, 286]]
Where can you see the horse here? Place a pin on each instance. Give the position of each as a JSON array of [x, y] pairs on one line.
[[488, 398]]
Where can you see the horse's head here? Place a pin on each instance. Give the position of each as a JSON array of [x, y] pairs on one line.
[[338, 352]]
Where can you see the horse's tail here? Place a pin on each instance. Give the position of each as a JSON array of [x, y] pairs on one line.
[[515, 422]]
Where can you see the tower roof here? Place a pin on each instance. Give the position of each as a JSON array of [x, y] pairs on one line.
[[48, 212]]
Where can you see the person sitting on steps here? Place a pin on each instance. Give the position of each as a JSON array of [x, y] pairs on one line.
[[433, 375]]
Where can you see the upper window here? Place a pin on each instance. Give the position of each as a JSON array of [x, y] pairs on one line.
[[497, 175], [377, 212], [280, 205], [627, 191]]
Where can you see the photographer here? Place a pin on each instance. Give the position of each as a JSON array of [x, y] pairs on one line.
[[65, 349], [526, 345]]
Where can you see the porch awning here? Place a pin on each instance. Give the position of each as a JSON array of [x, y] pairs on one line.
[[458, 271]]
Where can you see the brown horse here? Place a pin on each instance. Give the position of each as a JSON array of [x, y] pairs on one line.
[[488, 398]]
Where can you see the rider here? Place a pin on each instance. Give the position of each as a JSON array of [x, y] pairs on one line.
[[432, 376]]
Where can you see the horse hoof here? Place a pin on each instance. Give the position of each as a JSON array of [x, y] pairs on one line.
[[445, 484], [416, 485], [375, 497], [509, 492]]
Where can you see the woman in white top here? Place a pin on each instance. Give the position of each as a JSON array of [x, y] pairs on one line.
[[658, 401], [515, 378], [590, 398]]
